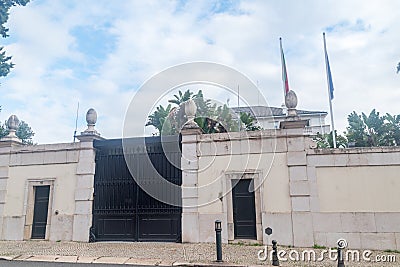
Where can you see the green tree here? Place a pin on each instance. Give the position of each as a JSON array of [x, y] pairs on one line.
[[3, 131], [393, 128], [225, 120], [181, 97], [398, 68], [25, 133], [373, 129], [326, 140], [5, 63], [158, 118], [5, 5], [204, 106], [249, 122], [210, 117], [356, 130]]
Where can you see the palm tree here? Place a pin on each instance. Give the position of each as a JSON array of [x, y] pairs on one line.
[[181, 98], [393, 128], [157, 119], [249, 122]]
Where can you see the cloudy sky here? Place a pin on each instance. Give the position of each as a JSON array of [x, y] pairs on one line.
[[100, 52]]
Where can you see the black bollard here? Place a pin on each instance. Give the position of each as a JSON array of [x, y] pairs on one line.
[[340, 262], [218, 241], [342, 244], [275, 260]]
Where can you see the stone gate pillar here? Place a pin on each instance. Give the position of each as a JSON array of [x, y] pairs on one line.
[[6, 144], [299, 186], [84, 187], [190, 166]]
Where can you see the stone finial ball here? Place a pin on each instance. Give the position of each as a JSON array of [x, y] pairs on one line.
[[291, 100], [91, 117], [12, 122], [190, 108]]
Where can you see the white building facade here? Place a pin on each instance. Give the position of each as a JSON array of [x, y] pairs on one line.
[[271, 117]]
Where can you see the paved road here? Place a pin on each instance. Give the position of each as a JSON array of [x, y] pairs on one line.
[[51, 264]]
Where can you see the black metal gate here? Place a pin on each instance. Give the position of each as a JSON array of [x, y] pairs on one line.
[[122, 210]]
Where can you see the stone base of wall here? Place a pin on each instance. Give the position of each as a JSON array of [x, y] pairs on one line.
[[362, 230], [13, 228]]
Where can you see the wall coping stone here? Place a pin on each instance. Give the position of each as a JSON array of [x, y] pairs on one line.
[[263, 134], [353, 150], [45, 148]]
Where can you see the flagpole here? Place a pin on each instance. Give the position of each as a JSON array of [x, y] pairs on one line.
[[238, 99], [329, 80]]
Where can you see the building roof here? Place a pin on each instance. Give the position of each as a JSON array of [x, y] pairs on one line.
[[264, 111]]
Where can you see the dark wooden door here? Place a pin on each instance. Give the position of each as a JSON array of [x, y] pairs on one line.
[[244, 211], [40, 211]]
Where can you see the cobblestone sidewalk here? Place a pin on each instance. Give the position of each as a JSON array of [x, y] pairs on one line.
[[161, 254]]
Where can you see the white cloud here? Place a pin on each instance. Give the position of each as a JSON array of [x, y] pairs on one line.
[[51, 74]]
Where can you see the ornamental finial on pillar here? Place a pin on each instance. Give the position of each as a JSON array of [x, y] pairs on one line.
[[12, 124], [190, 112], [12, 127], [90, 133], [292, 119], [291, 103], [91, 119]]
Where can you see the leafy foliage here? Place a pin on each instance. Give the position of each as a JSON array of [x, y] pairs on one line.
[[3, 131], [373, 129], [210, 117], [157, 119], [393, 128], [249, 122], [5, 63], [326, 140], [25, 133], [181, 98], [5, 5]]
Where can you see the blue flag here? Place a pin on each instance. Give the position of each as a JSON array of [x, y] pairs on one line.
[[328, 73]]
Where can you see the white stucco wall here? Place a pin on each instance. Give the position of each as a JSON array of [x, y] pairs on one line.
[[356, 192], [275, 179], [361, 189], [61, 199], [260, 156], [64, 186], [309, 196], [68, 169]]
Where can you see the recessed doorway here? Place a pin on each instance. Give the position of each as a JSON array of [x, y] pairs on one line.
[[244, 210], [40, 211]]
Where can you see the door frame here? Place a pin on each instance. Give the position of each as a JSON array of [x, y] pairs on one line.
[[29, 205], [228, 207]]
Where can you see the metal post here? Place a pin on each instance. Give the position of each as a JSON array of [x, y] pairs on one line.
[[275, 260], [218, 241], [340, 257]]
